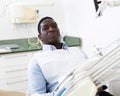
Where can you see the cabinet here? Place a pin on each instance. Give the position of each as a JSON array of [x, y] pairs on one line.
[[13, 71], [114, 87]]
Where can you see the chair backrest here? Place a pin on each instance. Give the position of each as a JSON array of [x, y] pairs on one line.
[[72, 41]]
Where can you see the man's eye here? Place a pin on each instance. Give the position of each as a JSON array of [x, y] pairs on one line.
[[54, 26], [45, 28]]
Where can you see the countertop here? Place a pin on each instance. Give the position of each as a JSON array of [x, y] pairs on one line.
[[24, 46]]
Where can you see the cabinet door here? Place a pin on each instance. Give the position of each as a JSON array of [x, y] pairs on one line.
[[13, 71]]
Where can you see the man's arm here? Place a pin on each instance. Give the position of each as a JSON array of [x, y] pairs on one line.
[[36, 79]]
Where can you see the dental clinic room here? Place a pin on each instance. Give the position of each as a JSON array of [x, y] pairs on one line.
[[59, 48]]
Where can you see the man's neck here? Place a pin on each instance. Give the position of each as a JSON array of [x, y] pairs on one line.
[[58, 46]]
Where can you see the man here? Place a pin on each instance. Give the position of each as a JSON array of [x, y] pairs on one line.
[[52, 62]]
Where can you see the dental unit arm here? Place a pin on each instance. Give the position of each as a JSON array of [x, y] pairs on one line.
[[106, 3]]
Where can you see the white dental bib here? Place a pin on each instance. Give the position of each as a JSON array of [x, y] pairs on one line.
[[55, 64]]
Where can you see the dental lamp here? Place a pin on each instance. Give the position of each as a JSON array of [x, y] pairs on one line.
[[106, 3]]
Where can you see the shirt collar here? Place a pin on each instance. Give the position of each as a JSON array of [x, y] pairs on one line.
[[52, 47]]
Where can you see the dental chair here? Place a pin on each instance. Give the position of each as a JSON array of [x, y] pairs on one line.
[[98, 70], [85, 79]]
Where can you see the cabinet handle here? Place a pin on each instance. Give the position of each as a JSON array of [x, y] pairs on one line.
[[7, 57], [16, 70], [8, 83]]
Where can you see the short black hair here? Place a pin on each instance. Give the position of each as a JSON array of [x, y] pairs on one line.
[[44, 18]]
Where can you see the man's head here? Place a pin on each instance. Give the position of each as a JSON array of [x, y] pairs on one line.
[[48, 31]]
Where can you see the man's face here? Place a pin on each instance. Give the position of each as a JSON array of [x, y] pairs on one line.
[[49, 32]]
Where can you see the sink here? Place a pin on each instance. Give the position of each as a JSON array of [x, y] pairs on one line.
[[9, 46]]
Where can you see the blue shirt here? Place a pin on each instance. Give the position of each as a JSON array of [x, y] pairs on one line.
[[36, 80]]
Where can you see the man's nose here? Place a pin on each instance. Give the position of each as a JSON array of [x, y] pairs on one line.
[[51, 29]]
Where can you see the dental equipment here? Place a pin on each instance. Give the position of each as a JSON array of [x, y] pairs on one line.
[[106, 3], [105, 68]]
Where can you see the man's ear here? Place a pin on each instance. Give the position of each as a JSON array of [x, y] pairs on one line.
[[39, 36], [40, 39]]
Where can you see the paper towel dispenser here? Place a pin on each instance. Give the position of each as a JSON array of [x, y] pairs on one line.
[[23, 14]]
